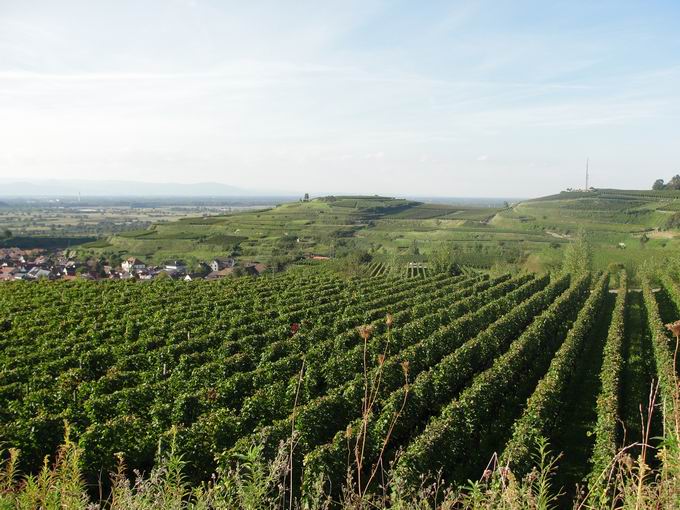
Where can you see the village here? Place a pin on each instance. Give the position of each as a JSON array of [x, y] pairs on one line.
[[39, 264]]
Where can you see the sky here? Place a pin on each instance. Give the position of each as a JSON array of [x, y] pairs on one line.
[[436, 98]]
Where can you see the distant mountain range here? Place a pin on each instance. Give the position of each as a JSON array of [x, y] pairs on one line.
[[56, 188]]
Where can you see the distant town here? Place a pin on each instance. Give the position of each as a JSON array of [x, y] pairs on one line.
[[39, 264]]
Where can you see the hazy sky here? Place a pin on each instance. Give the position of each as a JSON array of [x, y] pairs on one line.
[[469, 98]]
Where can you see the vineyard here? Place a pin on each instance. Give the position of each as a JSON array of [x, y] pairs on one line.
[[426, 377]]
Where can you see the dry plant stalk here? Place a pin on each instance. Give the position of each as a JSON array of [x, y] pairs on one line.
[[371, 394]]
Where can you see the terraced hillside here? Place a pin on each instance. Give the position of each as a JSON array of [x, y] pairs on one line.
[[327, 226], [447, 370], [626, 227]]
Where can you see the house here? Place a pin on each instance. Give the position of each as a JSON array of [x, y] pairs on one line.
[[255, 268], [40, 260], [176, 265], [132, 265], [222, 263], [38, 273], [170, 273], [68, 271], [222, 273], [7, 273]]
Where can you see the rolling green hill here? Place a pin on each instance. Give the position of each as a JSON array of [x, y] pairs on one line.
[[624, 226]]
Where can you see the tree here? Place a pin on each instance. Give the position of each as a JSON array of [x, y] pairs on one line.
[[658, 184], [673, 221], [578, 256], [363, 257], [674, 183], [306, 199], [443, 259], [6, 234]]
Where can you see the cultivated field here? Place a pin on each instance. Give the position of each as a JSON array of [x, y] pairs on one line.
[[409, 378]]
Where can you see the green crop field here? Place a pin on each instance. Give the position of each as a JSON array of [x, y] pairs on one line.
[[431, 376]]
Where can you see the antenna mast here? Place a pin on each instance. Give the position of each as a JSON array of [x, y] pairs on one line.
[[587, 174]]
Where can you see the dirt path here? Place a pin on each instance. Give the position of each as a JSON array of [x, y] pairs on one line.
[[557, 236]]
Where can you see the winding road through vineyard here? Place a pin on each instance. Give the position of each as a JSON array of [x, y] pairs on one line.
[[433, 374]]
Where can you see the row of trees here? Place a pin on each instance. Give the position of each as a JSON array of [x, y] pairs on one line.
[[674, 183]]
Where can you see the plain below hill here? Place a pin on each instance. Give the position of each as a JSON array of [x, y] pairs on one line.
[[119, 188]]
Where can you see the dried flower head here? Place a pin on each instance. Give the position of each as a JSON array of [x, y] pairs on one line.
[[365, 331], [389, 320], [627, 461], [674, 327], [348, 431], [381, 359], [404, 366], [487, 474]]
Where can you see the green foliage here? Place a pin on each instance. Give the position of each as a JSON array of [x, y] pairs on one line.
[[673, 184], [542, 411], [264, 383], [607, 437], [665, 363], [470, 427], [443, 259], [578, 255], [434, 388], [673, 221]]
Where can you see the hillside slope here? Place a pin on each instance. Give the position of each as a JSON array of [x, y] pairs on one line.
[[624, 226]]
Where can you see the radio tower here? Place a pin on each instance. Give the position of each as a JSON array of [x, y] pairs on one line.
[[587, 174]]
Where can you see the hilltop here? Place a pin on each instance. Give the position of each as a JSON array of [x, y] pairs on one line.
[[327, 225], [625, 226]]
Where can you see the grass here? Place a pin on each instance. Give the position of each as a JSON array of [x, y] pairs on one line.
[[253, 482]]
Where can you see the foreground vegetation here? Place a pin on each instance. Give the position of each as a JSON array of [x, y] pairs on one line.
[[311, 389]]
